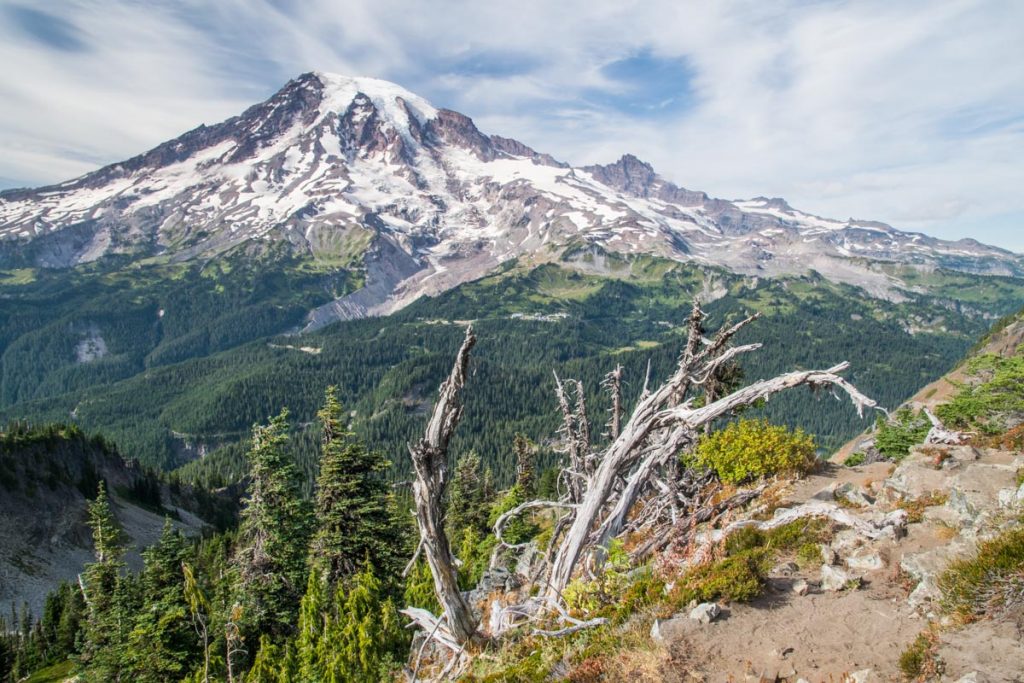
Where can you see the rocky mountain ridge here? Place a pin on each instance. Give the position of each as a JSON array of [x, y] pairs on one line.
[[47, 477], [360, 171]]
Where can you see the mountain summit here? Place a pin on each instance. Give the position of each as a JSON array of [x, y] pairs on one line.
[[362, 172]]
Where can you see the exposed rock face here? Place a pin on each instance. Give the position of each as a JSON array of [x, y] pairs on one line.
[[328, 156]]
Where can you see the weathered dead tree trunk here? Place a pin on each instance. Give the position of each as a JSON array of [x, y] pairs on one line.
[[939, 434], [660, 425], [601, 488], [613, 382], [430, 463]]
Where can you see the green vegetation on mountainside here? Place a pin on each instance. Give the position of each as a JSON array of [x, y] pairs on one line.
[[73, 330], [530, 321]]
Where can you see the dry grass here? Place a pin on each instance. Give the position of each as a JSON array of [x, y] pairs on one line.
[[915, 507]]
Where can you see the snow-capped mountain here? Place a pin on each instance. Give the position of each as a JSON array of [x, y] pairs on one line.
[[357, 168]]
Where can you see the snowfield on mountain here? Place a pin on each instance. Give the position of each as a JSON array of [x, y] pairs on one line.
[[361, 170]]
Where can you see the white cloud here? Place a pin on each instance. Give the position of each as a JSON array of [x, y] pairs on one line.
[[909, 112]]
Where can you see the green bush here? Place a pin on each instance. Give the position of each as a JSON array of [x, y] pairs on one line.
[[895, 436], [809, 555], [855, 459], [790, 537], [750, 449], [989, 583], [919, 661], [985, 406], [604, 590], [738, 578]]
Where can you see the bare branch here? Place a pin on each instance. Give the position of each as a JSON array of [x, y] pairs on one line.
[[613, 382], [430, 463], [499, 525], [599, 621], [820, 509], [938, 434]]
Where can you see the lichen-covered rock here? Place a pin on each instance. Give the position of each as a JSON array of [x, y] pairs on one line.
[[836, 578], [865, 560], [853, 494], [706, 612]]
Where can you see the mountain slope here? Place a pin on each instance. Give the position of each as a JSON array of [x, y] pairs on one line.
[[47, 477], [360, 171]]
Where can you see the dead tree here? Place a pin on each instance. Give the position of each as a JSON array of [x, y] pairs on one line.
[[627, 454], [600, 489], [430, 463], [613, 383], [939, 434]]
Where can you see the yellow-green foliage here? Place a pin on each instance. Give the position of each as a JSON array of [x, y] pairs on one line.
[[591, 596], [631, 597], [919, 661], [789, 537], [475, 554], [749, 554], [738, 578], [989, 583], [749, 449]]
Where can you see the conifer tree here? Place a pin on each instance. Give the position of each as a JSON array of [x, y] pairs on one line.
[[364, 636], [312, 620], [273, 534], [106, 592], [354, 516], [162, 641], [470, 497], [199, 612], [271, 664]]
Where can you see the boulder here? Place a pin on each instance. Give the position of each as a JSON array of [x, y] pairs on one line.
[[856, 495], [836, 579], [706, 612], [974, 492], [915, 477], [865, 560]]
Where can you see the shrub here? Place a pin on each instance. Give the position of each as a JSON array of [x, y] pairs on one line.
[[855, 459], [895, 436], [919, 661], [985, 406], [989, 584], [604, 590], [738, 578], [915, 507], [750, 449], [789, 537], [809, 555]]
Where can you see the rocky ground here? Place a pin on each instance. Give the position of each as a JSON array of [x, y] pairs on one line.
[[851, 618]]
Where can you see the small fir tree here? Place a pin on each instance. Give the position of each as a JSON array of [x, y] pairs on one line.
[[273, 534], [355, 518]]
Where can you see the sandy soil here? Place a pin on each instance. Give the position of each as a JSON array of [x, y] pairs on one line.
[[818, 637]]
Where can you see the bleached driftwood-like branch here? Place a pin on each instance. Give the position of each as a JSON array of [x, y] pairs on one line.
[[675, 423], [599, 488], [939, 434], [430, 464]]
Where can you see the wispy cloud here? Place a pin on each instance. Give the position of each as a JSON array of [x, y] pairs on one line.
[[909, 112]]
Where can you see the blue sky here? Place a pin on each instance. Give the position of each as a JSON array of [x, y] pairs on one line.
[[908, 112]]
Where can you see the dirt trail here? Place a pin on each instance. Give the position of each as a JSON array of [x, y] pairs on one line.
[[859, 634]]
